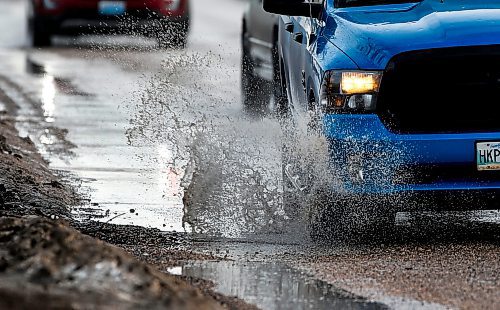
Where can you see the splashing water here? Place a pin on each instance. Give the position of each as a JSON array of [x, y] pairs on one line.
[[230, 163]]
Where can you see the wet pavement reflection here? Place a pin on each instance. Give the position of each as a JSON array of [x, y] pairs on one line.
[[274, 286]]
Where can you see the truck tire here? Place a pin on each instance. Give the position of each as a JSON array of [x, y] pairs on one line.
[[255, 91]]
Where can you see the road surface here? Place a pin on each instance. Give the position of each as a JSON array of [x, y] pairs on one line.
[[133, 127]]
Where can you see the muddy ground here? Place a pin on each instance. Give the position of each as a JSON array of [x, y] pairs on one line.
[[48, 260]]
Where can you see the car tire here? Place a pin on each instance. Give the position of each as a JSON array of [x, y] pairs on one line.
[[319, 213], [38, 32], [41, 38], [255, 91], [294, 192]]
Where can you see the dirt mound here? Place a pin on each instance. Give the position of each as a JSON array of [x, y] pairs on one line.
[[27, 186], [46, 264]]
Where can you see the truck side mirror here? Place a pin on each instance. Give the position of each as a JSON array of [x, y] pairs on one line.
[[293, 7]]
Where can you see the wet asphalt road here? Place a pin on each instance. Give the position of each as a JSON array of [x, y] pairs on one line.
[[129, 123]]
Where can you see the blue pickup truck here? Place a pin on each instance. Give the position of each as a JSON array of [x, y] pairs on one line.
[[407, 94]]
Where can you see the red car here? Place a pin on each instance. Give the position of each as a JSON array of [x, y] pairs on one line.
[[166, 20]]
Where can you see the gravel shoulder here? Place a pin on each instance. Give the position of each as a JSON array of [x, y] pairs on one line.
[[461, 276], [422, 267]]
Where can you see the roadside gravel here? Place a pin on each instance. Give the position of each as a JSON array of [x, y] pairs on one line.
[[443, 275]]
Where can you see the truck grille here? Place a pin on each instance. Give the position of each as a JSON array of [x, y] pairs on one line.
[[447, 90]]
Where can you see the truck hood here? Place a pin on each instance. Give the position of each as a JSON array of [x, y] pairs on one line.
[[372, 35]]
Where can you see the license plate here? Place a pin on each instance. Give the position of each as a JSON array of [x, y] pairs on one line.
[[488, 156], [111, 7]]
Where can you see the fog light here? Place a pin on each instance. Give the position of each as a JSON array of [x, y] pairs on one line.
[[361, 102]]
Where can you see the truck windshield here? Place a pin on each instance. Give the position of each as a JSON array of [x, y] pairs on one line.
[[351, 3]]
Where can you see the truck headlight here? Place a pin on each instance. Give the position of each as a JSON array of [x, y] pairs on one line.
[[350, 91]]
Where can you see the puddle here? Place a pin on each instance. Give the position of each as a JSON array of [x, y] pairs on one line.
[[79, 128], [272, 286], [52, 85]]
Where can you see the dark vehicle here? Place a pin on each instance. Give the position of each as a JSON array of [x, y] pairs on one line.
[[258, 37], [407, 94], [166, 20]]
